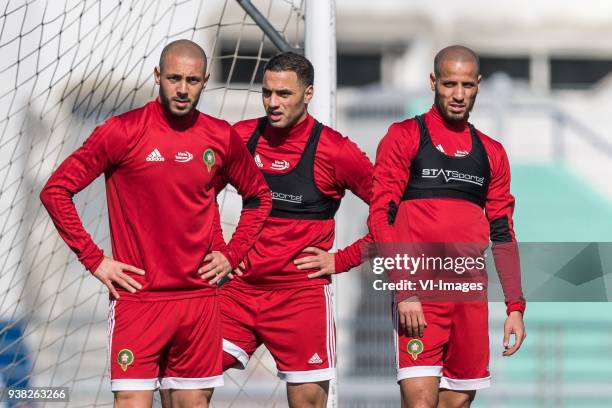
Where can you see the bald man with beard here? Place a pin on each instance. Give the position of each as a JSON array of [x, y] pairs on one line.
[[160, 163], [443, 346]]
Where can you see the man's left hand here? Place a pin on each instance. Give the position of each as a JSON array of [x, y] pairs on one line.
[[321, 260], [217, 266], [513, 325]]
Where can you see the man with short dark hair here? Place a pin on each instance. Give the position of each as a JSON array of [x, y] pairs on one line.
[[443, 347], [160, 163], [282, 297]]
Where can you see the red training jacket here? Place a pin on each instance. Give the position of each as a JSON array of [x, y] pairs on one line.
[[339, 165], [161, 202], [439, 219]]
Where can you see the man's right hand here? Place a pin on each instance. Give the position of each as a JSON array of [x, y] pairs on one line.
[[111, 271], [411, 317], [239, 271], [216, 267]]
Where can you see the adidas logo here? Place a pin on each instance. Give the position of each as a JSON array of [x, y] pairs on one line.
[[155, 155], [315, 359]]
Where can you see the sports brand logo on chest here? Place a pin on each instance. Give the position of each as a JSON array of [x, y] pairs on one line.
[[185, 164]]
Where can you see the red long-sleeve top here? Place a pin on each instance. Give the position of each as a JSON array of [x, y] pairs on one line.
[[339, 165], [161, 202], [439, 219]]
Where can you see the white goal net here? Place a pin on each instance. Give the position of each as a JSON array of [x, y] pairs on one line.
[[66, 66]]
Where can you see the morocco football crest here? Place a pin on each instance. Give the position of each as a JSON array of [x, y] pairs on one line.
[[209, 159], [415, 347], [125, 358]]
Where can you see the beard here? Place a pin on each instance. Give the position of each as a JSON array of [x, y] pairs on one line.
[[166, 102], [450, 116]]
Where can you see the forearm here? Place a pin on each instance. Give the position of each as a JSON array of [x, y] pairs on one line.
[[63, 213], [508, 266], [248, 230], [353, 255], [218, 242]]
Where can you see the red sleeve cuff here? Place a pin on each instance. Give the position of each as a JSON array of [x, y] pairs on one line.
[[91, 262], [515, 306], [219, 246], [339, 263], [229, 255]]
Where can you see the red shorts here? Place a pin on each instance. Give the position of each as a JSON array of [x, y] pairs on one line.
[[165, 344], [455, 346], [296, 326]]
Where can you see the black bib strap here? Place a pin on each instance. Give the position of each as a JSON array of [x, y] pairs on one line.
[[310, 150], [419, 194], [424, 136], [252, 143], [327, 214]]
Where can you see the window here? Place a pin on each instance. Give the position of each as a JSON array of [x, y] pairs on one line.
[[576, 73], [515, 67], [358, 69]]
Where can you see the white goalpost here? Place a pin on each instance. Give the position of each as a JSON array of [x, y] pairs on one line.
[[320, 49], [66, 67]]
